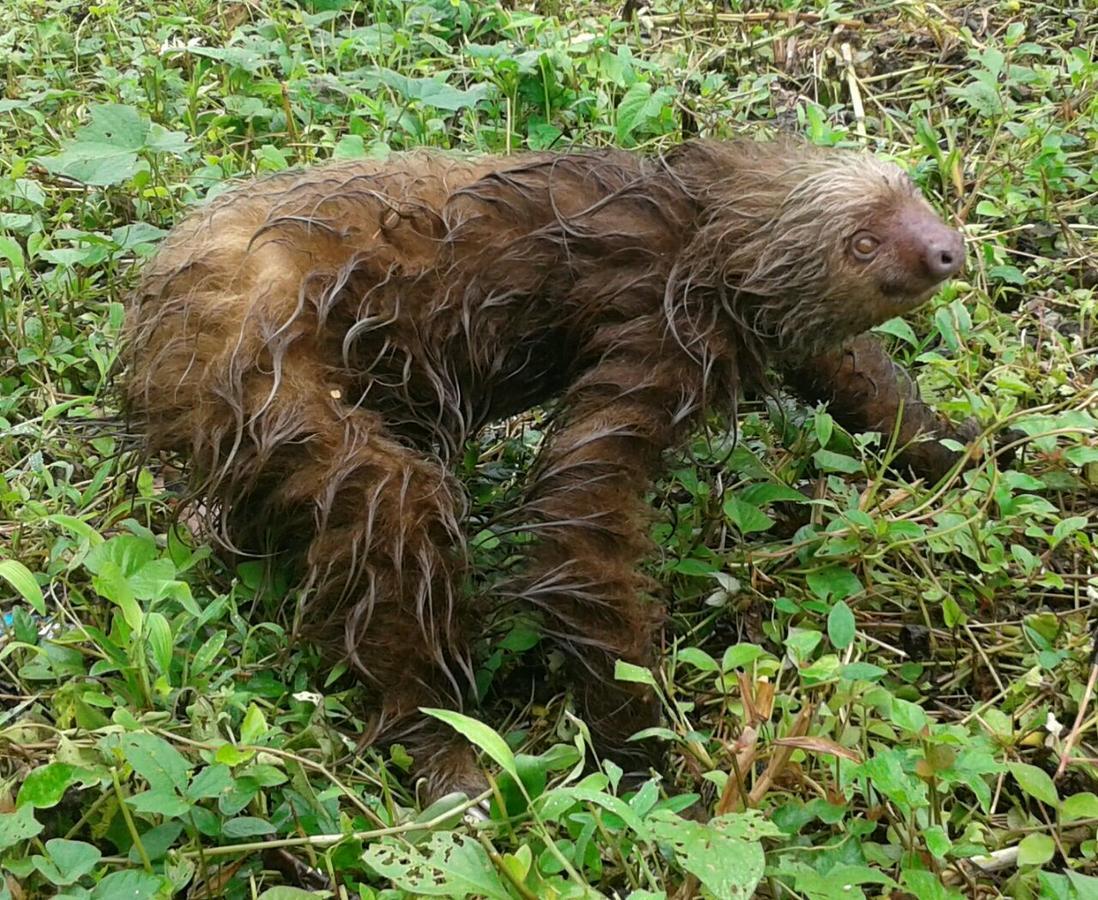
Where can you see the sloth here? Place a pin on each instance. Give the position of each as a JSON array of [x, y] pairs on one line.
[[320, 345]]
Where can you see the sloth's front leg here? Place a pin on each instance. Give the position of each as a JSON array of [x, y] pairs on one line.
[[590, 520]]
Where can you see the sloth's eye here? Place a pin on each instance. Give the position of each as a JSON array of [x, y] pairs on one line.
[[864, 246]]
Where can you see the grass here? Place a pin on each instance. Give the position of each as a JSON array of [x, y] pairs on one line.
[[868, 693]]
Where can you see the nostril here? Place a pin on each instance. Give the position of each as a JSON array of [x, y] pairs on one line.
[[943, 261]]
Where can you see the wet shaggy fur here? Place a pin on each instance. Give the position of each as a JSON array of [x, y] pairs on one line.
[[321, 344]]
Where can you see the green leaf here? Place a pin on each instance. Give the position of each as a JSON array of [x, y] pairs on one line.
[[254, 726], [740, 655], [937, 841], [835, 582], [624, 671], [608, 802], [699, 659], [448, 865], [1068, 526], [1086, 886], [909, 716], [132, 884], [830, 461], [952, 613], [841, 627], [431, 91], [19, 577], [863, 671], [11, 251], [159, 634], [771, 492], [246, 827], [18, 826], [284, 892], [105, 150], [926, 886], [696, 567], [899, 328], [631, 108], [480, 735], [111, 584], [1079, 806], [205, 655], [1035, 782], [161, 802], [1035, 850], [67, 862], [885, 771], [724, 854], [212, 781], [800, 644], [155, 760], [745, 517], [45, 786]]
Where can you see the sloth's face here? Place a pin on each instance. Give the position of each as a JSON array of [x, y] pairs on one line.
[[812, 247], [901, 255]]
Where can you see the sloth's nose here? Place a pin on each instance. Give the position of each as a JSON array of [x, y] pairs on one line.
[[944, 253]]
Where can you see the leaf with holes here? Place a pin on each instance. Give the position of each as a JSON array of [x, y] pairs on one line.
[[724, 854], [448, 865]]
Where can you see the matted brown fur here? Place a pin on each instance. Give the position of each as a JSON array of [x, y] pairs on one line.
[[320, 344]]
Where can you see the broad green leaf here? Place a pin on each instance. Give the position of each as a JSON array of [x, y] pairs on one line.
[[212, 781], [830, 461], [161, 802], [630, 109], [19, 577], [11, 251], [863, 671], [1035, 782], [132, 884], [431, 91], [111, 583], [740, 655], [699, 659], [480, 735], [840, 626], [155, 760], [159, 634], [207, 653], [770, 492], [1079, 806], [254, 726], [1086, 886], [899, 328], [937, 841], [246, 827], [1035, 850], [18, 826], [608, 802], [67, 861], [449, 864], [45, 786], [745, 517], [725, 854], [624, 671], [833, 582], [909, 716], [885, 772], [927, 886], [801, 643]]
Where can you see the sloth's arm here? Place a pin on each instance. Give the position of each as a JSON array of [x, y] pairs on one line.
[[866, 391], [587, 513]]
